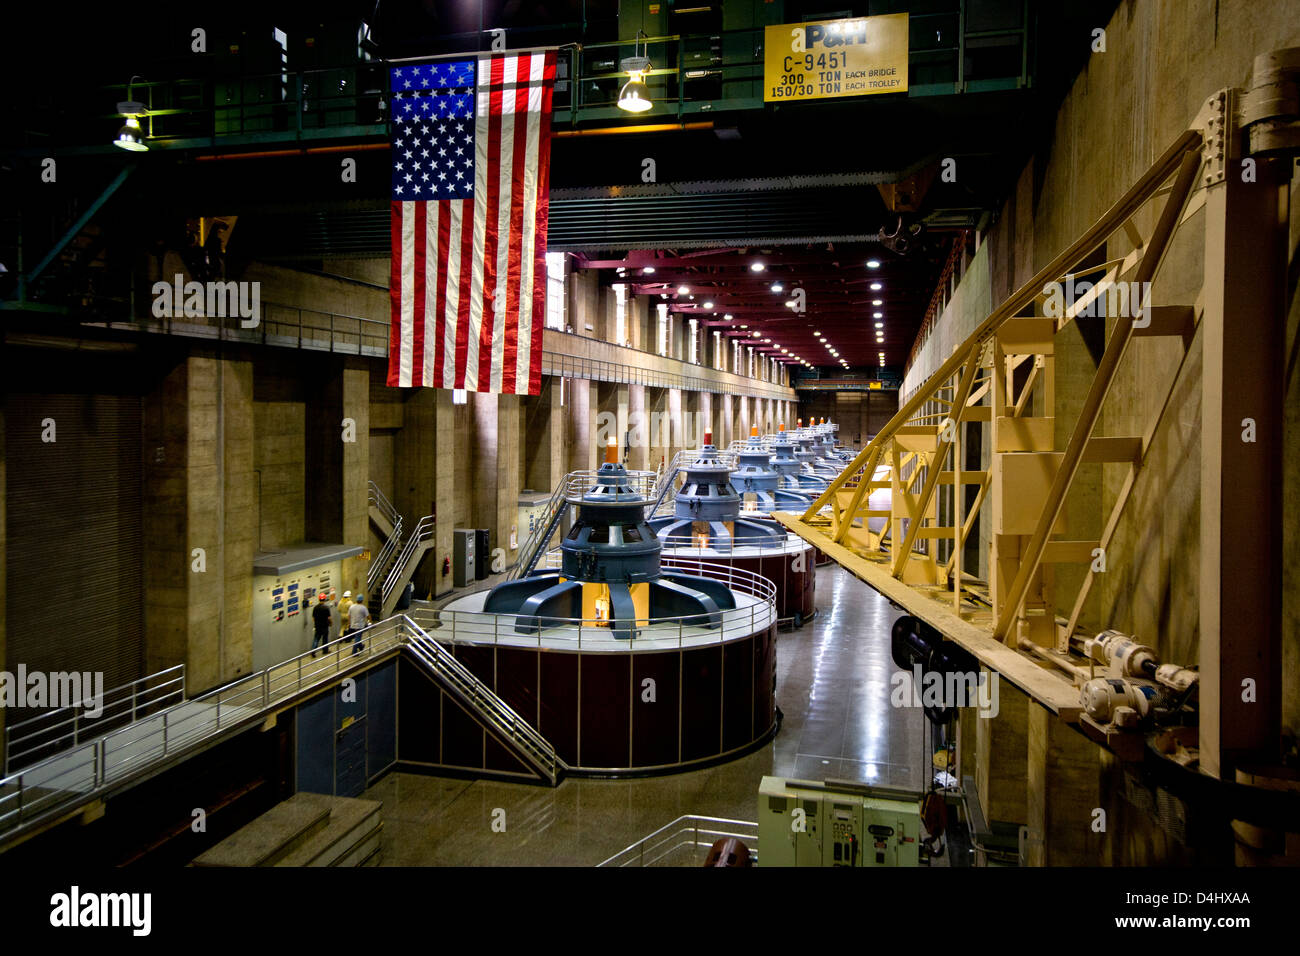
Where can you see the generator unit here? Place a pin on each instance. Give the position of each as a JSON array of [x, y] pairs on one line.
[[837, 823]]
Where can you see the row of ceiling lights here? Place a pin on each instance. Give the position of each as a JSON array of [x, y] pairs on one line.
[[759, 266]]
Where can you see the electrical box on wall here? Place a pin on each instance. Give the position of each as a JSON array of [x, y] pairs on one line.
[[462, 556], [806, 823], [282, 606]]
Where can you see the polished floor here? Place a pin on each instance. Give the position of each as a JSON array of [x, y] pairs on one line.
[[833, 684]]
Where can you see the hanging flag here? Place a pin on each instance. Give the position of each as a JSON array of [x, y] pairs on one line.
[[471, 174]]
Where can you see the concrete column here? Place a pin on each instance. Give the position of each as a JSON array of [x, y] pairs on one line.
[[496, 468], [675, 436], [416, 461], [451, 445], [1063, 794], [659, 434], [622, 401], [726, 420], [545, 445], [707, 422], [199, 484], [639, 415], [692, 432], [745, 421], [1001, 754], [338, 466], [582, 425], [557, 439]]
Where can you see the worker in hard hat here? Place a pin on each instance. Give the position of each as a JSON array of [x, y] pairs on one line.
[[321, 620]]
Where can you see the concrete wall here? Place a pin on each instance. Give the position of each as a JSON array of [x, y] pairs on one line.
[[1163, 59], [280, 462]]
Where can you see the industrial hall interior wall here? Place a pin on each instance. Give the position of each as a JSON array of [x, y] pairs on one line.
[[1124, 109], [164, 445]]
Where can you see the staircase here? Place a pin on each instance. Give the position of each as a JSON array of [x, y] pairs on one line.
[[481, 701], [395, 564], [665, 491], [382, 513], [535, 546], [404, 564]]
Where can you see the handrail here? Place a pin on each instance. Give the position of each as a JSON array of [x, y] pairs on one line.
[[635, 855], [50, 786], [736, 578], [71, 777], [380, 501], [474, 693], [424, 531], [541, 534], [20, 736], [570, 490], [378, 567]]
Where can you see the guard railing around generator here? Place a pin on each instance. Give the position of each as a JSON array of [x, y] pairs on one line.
[[480, 627]]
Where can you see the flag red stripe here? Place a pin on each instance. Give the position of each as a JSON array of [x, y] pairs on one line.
[[421, 213], [466, 283], [491, 235], [440, 300], [395, 298], [510, 351], [543, 211]]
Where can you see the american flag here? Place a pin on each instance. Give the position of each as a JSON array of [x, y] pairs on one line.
[[471, 172]]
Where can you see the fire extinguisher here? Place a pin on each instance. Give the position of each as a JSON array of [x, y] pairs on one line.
[[446, 566]]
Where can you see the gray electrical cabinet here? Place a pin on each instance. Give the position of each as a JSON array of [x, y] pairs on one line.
[[808, 823], [462, 556]]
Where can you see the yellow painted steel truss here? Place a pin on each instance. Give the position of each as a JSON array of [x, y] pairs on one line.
[[1010, 620]]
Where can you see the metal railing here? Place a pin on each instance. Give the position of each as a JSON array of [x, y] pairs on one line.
[[420, 541], [74, 776], [709, 71], [692, 833], [64, 727], [482, 700], [540, 536], [285, 326], [71, 778], [379, 566], [598, 370], [479, 627], [376, 497]]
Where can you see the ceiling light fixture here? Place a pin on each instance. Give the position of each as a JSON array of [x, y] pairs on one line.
[[777, 287], [683, 290], [756, 267], [873, 263], [876, 287], [131, 136], [877, 302], [634, 97], [708, 304]]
